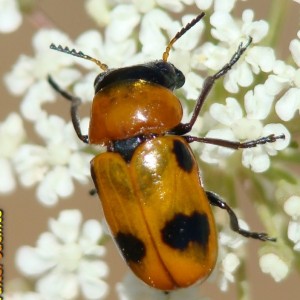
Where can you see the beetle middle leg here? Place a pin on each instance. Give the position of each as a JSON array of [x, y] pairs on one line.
[[235, 145], [215, 200], [75, 103]]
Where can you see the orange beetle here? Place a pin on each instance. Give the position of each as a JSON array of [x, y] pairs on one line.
[[148, 180]]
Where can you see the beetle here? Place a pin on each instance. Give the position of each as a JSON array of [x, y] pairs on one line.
[[148, 180]]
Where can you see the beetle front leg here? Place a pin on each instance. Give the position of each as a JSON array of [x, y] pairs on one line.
[[75, 103], [208, 84], [215, 200]]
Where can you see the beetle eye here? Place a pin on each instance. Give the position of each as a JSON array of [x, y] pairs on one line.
[[180, 79]]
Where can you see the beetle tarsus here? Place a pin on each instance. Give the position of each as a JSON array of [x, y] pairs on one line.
[[216, 200]]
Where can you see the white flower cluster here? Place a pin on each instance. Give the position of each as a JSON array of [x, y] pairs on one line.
[[67, 259], [52, 166], [231, 122]]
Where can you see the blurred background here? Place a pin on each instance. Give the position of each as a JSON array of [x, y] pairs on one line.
[[25, 218]]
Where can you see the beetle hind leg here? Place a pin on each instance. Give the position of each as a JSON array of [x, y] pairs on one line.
[[234, 224], [75, 103]]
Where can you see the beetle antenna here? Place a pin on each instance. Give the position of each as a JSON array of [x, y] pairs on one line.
[[180, 33], [80, 54]]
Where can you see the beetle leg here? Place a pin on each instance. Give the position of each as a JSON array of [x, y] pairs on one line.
[[235, 145], [207, 86], [215, 200], [75, 103]]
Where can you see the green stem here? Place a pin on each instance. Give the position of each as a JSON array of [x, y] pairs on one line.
[[276, 20], [297, 263], [27, 6]]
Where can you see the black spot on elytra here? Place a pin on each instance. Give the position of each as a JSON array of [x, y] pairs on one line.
[[183, 156], [133, 249], [184, 229]]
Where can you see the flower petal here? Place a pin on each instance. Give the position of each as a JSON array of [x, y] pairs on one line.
[[256, 159], [66, 227], [277, 130], [30, 263], [7, 178], [292, 207], [295, 50], [226, 114], [58, 285], [90, 274], [258, 103], [56, 183], [288, 104], [274, 265], [10, 16]]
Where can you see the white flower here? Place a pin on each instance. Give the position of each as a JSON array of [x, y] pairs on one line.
[[219, 5], [10, 16], [229, 257], [133, 289], [228, 266], [55, 165], [144, 6], [12, 135], [151, 26], [228, 30], [227, 6], [103, 12], [29, 74], [203, 4], [260, 58], [236, 127], [288, 104], [209, 56], [274, 265], [110, 49], [231, 32], [67, 258], [288, 78], [174, 5], [124, 19], [98, 11], [258, 158], [292, 208]]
